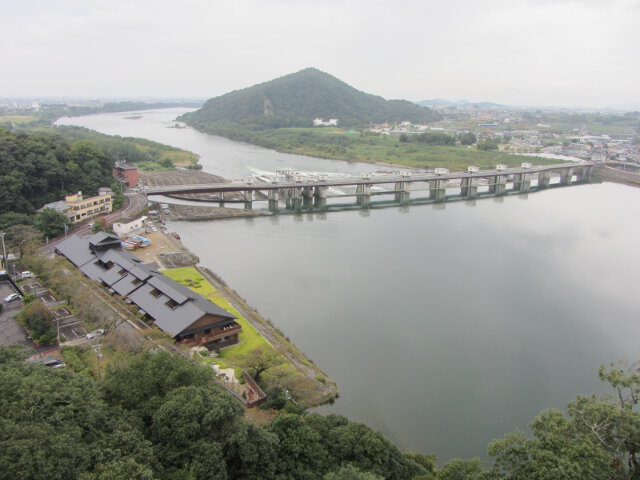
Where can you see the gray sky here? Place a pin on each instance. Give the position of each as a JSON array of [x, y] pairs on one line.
[[521, 52]]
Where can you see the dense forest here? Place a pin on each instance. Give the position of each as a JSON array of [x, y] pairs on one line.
[[37, 168], [160, 416], [41, 167], [146, 154], [296, 99]]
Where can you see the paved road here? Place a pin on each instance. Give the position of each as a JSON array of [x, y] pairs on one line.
[[135, 201]]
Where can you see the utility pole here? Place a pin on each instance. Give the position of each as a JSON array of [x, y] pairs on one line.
[[4, 252], [58, 328], [96, 348]]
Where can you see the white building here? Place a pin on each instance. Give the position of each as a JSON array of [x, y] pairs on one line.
[[124, 230], [319, 122]]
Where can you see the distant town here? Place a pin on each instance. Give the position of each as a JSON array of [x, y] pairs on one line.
[[588, 136]]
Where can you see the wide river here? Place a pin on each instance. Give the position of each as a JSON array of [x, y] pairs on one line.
[[444, 328]]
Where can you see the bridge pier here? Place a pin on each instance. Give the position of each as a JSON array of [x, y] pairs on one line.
[[565, 175], [294, 203], [320, 202], [273, 206], [521, 182], [247, 195], [364, 189], [274, 195], [498, 184], [402, 197], [583, 173], [307, 192], [437, 191], [544, 178], [467, 188], [320, 191], [307, 202]]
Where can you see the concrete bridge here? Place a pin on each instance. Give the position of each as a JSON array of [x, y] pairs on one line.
[[295, 186]]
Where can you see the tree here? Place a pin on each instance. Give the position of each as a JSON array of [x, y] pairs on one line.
[[611, 420], [251, 453], [468, 139], [100, 225], [487, 145], [369, 451], [349, 472], [463, 469], [558, 450], [137, 385], [23, 238], [302, 454], [54, 425], [260, 360], [51, 222], [37, 320]]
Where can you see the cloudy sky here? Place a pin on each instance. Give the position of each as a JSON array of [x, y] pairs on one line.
[[519, 52]]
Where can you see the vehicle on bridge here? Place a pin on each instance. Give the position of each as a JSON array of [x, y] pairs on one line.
[[441, 171], [527, 165], [502, 166], [473, 169]]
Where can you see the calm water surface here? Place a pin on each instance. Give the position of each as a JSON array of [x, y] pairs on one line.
[[444, 328]]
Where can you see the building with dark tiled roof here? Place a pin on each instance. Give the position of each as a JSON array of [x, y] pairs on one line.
[[174, 308]]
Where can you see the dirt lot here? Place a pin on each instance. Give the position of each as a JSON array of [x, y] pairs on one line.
[[167, 251]]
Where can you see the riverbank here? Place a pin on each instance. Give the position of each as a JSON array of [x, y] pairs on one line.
[[305, 381], [352, 146]]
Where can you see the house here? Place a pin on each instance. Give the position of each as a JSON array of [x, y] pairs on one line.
[[174, 308], [126, 173], [77, 208], [123, 230]]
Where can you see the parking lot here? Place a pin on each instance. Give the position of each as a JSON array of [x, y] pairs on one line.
[[11, 332]]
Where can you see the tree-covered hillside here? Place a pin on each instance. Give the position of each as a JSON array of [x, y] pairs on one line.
[[296, 99], [37, 168]]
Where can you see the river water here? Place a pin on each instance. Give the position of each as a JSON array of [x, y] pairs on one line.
[[444, 327]]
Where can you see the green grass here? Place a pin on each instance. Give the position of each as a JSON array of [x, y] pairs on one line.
[[17, 119], [339, 144], [250, 338]]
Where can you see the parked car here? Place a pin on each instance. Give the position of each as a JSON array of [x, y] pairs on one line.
[[11, 298], [27, 274], [94, 334]]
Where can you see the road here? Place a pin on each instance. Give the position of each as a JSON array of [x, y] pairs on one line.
[[135, 201]]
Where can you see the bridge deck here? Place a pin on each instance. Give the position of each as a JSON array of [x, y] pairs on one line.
[[338, 181]]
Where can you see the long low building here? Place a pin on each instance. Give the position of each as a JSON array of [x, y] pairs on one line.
[[174, 308]]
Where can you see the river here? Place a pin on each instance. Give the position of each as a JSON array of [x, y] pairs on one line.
[[443, 327]]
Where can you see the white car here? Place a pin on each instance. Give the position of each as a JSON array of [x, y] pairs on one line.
[[27, 274], [11, 298], [94, 334]]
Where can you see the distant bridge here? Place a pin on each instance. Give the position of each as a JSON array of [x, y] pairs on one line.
[[299, 186]]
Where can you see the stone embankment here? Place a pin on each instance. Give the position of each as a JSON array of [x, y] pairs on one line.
[[611, 174]]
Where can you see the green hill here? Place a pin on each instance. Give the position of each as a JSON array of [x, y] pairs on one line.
[[296, 99]]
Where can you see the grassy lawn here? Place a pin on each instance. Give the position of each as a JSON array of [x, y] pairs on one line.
[[249, 337], [17, 119]]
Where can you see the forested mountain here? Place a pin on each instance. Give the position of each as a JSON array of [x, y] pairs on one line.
[[296, 99], [36, 168]]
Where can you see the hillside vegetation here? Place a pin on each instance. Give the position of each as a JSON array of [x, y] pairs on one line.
[[296, 99], [145, 154], [159, 416]]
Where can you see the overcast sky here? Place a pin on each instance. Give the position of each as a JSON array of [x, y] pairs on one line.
[[519, 52]]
